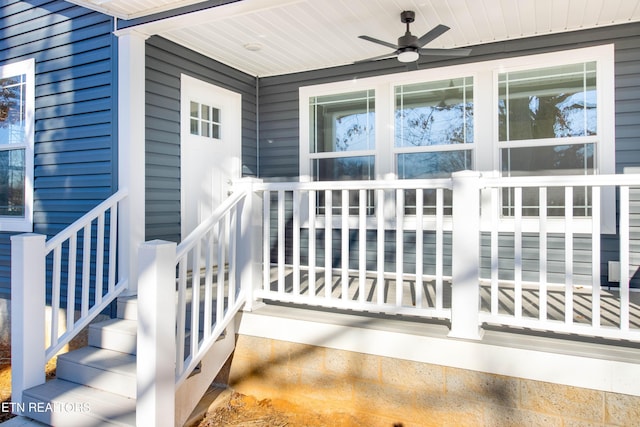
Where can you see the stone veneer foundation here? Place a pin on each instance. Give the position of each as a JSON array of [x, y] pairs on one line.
[[386, 392]]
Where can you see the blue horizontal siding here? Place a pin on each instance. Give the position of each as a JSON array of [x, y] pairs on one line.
[[75, 128]]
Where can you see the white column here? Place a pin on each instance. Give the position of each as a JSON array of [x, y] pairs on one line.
[[131, 152], [27, 314], [250, 241], [465, 256], [156, 340]]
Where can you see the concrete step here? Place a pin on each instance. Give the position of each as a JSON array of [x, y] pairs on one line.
[[107, 370], [127, 308], [63, 403], [114, 334]]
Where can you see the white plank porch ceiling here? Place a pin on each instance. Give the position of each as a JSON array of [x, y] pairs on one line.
[[301, 35]]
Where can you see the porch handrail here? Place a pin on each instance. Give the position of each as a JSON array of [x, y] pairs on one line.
[[70, 234], [212, 270], [31, 257], [609, 180], [221, 225]]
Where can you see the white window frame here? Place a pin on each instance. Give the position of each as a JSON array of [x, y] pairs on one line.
[[486, 146], [27, 68]]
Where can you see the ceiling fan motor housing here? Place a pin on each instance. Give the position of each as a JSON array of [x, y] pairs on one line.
[[408, 40], [407, 17]]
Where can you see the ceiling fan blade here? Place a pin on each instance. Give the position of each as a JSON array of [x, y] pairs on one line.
[[383, 43], [375, 58], [435, 32], [445, 52]]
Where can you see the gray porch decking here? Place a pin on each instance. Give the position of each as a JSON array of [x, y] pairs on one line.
[[582, 297]]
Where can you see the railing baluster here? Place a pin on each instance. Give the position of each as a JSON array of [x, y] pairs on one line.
[[55, 295], [113, 244], [362, 244], [380, 244], [419, 245], [542, 249], [181, 317], [266, 241], [195, 297], [71, 281], [296, 242], [328, 236], [312, 243], [495, 266], [439, 248], [221, 270], [99, 259], [517, 253], [231, 244], [568, 255], [595, 257], [399, 246], [208, 282], [624, 258], [345, 244], [281, 241], [86, 269]]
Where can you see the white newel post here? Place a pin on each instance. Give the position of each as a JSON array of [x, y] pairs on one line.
[[465, 257], [131, 152], [250, 241], [156, 342], [27, 314]]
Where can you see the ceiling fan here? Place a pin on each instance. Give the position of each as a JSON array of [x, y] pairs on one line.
[[410, 47]]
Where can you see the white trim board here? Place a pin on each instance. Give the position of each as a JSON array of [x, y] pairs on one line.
[[605, 368]]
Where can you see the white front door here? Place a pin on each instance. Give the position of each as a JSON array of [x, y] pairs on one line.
[[210, 148]]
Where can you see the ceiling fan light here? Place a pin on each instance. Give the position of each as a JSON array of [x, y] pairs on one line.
[[408, 56]]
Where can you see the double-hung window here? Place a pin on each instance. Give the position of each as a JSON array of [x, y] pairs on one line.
[[342, 141], [548, 126], [16, 146]]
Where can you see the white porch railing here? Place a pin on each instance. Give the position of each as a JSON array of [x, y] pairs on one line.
[[80, 258], [187, 297], [603, 313], [337, 244], [341, 230]]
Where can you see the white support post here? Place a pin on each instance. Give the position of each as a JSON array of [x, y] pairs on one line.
[[27, 314], [465, 292], [131, 152], [156, 341], [250, 242]]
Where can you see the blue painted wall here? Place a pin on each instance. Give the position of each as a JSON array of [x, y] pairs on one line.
[[75, 128]]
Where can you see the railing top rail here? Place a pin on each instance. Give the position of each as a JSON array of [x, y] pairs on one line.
[[391, 184], [81, 222], [190, 241], [562, 181]]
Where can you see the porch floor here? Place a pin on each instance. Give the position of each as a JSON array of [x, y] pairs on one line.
[[555, 295]]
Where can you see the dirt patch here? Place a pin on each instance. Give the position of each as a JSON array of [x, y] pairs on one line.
[[242, 410], [236, 410]]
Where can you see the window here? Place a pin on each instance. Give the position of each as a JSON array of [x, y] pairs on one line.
[[342, 139], [342, 143], [205, 120], [16, 146], [433, 128], [511, 116], [548, 126]]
